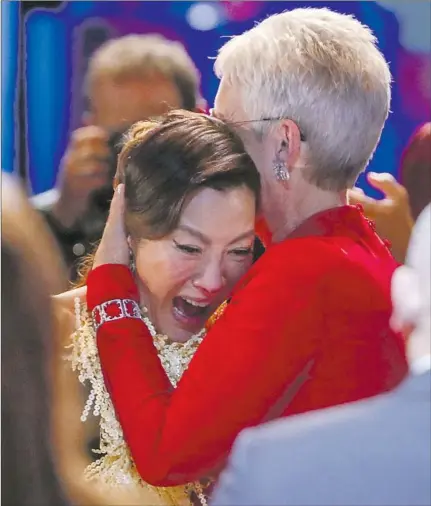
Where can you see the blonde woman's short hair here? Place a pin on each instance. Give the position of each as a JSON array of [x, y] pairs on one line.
[[142, 56], [323, 70]]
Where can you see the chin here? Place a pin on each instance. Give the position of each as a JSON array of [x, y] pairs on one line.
[[177, 332]]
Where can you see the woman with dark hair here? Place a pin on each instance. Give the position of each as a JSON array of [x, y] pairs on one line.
[[31, 272], [191, 196]]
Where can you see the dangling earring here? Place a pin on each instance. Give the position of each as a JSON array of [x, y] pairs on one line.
[[280, 172], [132, 264]]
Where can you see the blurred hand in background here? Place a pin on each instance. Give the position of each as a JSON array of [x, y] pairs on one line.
[[391, 215]]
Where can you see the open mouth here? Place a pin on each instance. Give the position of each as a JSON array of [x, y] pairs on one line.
[[190, 312]]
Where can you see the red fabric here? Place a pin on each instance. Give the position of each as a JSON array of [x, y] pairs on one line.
[[315, 306]]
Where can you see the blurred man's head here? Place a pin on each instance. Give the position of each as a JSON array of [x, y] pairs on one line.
[[139, 76]]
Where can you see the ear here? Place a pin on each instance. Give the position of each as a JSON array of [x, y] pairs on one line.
[[290, 143]]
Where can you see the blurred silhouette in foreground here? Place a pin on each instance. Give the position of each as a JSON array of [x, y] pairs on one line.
[[31, 272]]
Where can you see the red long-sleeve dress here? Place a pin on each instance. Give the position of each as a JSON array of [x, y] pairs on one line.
[[307, 328]]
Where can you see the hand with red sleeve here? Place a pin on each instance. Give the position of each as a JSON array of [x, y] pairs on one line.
[[243, 372]]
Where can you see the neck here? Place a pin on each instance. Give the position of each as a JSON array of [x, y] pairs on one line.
[[303, 201], [145, 300]]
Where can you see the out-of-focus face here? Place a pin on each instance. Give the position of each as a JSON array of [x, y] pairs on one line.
[[227, 107], [116, 104], [185, 276]]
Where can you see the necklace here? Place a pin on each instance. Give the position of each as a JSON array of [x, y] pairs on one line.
[[175, 357], [116, 467]]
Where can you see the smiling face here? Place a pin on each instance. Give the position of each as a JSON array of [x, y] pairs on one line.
[[186, 275]]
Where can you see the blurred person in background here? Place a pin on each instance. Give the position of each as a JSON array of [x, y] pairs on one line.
[[370, 453], [130, 78], [403, 201], [307, 327], [31, 272]]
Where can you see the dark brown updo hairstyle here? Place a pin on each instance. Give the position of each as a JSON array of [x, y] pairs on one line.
[[165, 161]]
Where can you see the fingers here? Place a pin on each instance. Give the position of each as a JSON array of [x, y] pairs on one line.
[[92, 135], [357, 197], [387, 184], [87, 162]]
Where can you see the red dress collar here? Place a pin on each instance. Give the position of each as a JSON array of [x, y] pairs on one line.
[[341, 220], [346, 221]]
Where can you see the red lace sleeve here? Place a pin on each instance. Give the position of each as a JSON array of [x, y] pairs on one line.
[[242, 368]]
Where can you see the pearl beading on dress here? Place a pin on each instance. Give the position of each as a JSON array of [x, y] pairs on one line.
[[116, 466]]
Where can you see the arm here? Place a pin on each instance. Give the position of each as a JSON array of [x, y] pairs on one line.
[[246, 362]]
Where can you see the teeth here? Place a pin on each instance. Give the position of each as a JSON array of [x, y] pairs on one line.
[[194, 303]]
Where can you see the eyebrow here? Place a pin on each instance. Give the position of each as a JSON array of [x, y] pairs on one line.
[[199, 235]]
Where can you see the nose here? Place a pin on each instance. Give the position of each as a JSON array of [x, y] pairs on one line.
[[211, 279]]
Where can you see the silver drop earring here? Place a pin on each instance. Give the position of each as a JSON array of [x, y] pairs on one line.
[[132, 264], [280, 172]]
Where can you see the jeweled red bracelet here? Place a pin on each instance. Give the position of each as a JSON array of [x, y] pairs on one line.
[[115, 309]]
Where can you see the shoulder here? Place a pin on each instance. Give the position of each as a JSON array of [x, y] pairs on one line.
[[66, 301], [305, 257], [323, 425], [64, 309], [343, 451]]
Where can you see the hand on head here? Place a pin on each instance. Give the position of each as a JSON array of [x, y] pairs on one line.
[[113, 248], [391, 214]]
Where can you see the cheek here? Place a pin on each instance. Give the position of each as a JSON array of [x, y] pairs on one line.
[[162, 269], [235, 271]]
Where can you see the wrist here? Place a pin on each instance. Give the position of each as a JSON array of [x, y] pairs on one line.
[[108, 282]]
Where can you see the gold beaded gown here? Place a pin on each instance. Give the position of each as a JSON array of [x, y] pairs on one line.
[[115, 467]]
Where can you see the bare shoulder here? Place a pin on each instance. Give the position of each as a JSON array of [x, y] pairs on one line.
[[66, 301], [64, 309]]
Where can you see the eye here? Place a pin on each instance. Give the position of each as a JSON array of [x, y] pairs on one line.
[[187, 248], [242, 252]]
